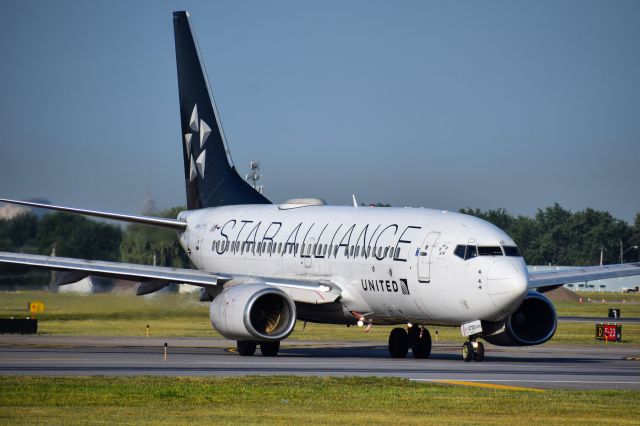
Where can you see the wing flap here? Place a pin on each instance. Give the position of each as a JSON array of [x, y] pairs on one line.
[[588, 273]]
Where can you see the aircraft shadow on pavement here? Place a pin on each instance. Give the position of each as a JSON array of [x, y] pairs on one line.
[[378, 351]]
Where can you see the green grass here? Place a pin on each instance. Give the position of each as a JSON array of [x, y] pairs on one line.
[[592, 305], [173, 315], [297, 400]]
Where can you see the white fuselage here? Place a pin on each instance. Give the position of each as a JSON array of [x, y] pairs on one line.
[[394, 265]]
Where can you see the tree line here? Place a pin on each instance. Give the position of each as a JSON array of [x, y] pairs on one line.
[[553, 236], [556, 236]]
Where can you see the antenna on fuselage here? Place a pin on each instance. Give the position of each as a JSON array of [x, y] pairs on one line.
[[355, 202]]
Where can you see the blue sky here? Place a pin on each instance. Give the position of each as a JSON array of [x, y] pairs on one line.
[[437, 104]]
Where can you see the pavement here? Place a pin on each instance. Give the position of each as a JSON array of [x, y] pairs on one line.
[[597, 366]]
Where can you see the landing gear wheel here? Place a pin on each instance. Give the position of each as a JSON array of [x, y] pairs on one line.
[[467, 352], [270, 348], [479, 352], [246, 347], [421, 347], [398, 343]]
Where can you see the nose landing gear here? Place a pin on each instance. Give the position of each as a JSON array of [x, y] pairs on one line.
[[472, 349]]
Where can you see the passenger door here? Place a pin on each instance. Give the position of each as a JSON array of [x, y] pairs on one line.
[[425, 256]]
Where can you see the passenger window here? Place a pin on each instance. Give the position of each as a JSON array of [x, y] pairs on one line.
[[280, 248], [351, 252]]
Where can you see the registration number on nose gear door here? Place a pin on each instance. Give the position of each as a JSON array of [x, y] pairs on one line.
[[471, 328]]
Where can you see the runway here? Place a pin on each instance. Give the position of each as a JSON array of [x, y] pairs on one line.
[[595, 366]]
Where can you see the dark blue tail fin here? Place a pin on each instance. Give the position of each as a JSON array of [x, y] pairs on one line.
[[210, 176]]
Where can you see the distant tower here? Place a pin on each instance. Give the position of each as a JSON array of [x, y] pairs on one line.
[[254, 175], [149, 204]]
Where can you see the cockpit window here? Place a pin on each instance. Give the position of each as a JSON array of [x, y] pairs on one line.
[[511, 251], [465, 252], [472, 252], [489, 251]]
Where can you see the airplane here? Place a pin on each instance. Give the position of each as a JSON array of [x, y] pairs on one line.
[[263, 266]]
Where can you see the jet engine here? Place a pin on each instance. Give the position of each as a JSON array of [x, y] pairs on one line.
[[253, 312], [533, 323]]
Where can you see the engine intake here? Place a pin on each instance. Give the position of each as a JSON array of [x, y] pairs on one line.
[[253, 312], [533, 323]]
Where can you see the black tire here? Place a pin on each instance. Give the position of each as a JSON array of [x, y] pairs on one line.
[[467, 352], [421, 347], [398, 343], [246, 347], [413, 332], [479, 352], [270, 348]]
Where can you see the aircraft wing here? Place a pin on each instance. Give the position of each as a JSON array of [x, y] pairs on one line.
[[545, 280], [153, 278]]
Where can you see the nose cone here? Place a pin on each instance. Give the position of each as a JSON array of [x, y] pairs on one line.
[[507, 281]]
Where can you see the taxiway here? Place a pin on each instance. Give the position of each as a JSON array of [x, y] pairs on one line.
[[546, 367]]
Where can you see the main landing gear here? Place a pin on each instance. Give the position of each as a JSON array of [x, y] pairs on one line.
[[472, 349], [417, 338], [248, 348]]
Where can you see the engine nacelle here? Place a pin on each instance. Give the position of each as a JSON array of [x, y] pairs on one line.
[[533, 323], [253, 312]]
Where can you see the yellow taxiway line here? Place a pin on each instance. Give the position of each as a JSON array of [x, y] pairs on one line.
[[487, 385]]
